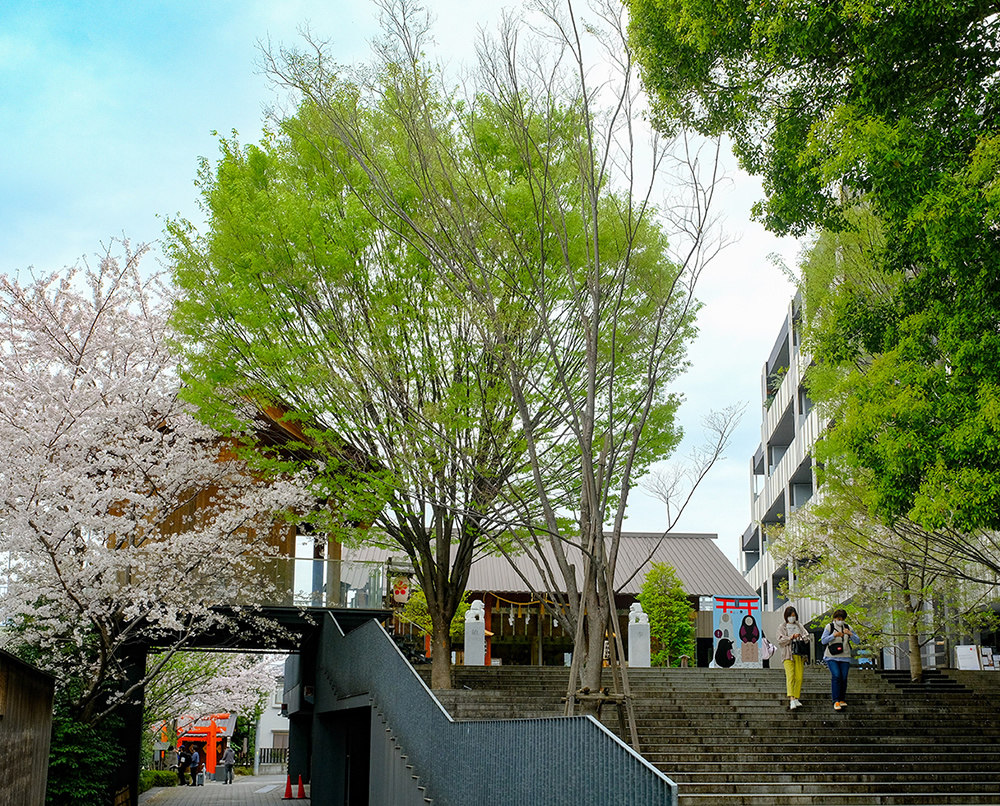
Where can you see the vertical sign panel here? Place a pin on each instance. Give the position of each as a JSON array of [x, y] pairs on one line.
[[736, 630]]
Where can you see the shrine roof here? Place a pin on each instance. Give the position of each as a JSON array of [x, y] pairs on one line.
[[700, 564]]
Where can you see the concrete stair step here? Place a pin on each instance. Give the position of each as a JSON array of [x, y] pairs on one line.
[[727, 736], [802, 730], [710, 771], [838, 798], [855, 787], [868, 781], [652, 744], [688, 757]]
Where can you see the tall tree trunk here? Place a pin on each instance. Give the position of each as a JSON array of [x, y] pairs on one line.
[[593, 651], [440, 654], [916, 659], [913, 612]]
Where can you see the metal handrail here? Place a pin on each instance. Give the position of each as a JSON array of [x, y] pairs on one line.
[[272, 755]]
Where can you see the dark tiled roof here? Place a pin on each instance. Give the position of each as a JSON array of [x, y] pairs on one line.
[[700, 564]]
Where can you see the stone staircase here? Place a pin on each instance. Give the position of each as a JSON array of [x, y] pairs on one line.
[[727, 737], [932, 680]]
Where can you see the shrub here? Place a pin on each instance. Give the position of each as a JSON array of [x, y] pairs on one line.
[[670, 616], [150, 778], [80, 761]]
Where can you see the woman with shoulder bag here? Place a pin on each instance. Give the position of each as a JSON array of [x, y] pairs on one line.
[[788, 633], [837, 638]]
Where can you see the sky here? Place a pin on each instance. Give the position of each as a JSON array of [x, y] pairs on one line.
[[106, 108]]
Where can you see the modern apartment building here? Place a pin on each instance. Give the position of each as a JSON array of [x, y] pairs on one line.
[[782, 468], [784, 479]]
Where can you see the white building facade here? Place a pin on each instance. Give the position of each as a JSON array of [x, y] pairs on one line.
[[782, 468], [272, 734]]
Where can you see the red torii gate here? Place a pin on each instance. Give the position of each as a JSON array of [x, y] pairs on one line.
[[216, 728]]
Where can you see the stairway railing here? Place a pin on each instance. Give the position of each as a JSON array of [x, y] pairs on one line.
[[516, 762]]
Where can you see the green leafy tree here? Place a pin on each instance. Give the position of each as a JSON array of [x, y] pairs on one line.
[[891, 107], [904, 582], [847, 299], [671, 621], [80, 757], [304, 295], [533, 208], [415, 611], [299, 297], [464, 294], [832, 101], [904, 587]]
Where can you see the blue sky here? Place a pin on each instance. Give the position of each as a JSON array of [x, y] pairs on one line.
[[106, 107]]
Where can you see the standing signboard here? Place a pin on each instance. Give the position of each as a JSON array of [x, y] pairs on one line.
[[737, 633], [967, 657]]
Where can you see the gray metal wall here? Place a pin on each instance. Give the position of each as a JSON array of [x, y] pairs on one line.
[[563, 760]]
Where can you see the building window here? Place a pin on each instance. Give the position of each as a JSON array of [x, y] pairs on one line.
[[279, 693], [279, 739]]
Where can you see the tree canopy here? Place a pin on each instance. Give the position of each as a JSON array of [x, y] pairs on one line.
[[888, 111], [301, 297], [194, 685], [905, 584], [466, 286], [888, 101], [125, 520]]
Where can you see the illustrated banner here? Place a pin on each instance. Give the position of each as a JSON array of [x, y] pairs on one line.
[[736, 627]]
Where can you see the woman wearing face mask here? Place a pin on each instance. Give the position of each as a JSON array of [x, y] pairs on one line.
[[838, 634], [794, 664]]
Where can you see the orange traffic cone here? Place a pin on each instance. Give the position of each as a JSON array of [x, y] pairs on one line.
[[302, 791], [288, 789]]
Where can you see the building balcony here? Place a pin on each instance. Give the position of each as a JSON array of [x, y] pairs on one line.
[[319, 583], [776, 484], [780, 402]]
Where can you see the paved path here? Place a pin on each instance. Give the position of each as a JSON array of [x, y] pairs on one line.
[[246, 790]]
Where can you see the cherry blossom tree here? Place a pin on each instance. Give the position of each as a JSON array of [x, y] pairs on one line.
[[195, 685], [125, 521]]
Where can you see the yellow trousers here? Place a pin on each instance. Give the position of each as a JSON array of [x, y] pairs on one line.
[[793, 675]]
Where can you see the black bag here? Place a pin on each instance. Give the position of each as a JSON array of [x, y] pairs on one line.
[[801, 647], [835, 647]]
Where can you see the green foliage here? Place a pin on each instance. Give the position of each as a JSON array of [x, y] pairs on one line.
[[885, 100], [906, 586], [671, 622], [150, 778], [301, 297], [442, 291], [878, 123], [81, 760], [892, 410], [415, 611], [246, 728]]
